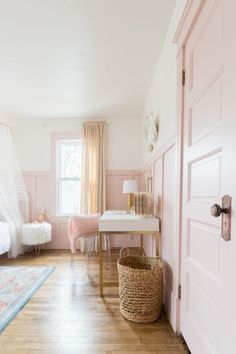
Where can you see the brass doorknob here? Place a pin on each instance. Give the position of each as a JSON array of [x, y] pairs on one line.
[[216, 210]]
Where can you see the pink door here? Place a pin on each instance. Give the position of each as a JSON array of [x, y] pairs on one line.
[[208, 275]]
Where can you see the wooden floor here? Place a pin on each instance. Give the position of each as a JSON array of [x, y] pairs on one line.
[[66, 315]]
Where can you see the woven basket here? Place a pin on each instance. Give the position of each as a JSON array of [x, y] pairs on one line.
[[140, 287]]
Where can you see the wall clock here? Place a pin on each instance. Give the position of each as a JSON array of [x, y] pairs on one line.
[[150, 131]]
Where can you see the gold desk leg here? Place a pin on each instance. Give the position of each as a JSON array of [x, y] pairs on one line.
[[158, 243], [100, 264]]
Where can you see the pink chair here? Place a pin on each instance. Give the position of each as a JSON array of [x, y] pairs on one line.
[[86, 226]]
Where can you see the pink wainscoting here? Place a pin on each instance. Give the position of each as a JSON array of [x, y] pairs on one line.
[[169, 206], [164, 184], [41, 189], [149, 243], [117, 200], [38, 188]]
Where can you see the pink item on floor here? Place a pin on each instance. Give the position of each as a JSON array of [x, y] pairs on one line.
[[82, 225]]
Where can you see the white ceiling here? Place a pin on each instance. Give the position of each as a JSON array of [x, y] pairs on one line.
[[79, 58]]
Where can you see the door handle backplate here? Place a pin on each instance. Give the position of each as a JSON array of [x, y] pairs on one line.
[[225, 212], [226, 218]]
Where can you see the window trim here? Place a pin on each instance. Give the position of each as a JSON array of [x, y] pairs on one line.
[[55, 137]]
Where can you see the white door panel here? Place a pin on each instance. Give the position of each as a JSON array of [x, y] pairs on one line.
[[208, 310]]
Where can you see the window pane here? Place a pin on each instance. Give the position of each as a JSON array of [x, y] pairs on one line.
[[69, 197], [70, 158], [69, 174]]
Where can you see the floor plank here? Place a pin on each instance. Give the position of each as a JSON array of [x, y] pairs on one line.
[[67, 315]]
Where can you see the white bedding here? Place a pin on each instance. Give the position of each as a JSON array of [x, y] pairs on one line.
[[5, 238]]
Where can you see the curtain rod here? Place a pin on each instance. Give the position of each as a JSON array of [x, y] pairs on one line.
[[95, 122], [5, 125]]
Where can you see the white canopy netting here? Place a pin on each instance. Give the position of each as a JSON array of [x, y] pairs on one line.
[[12, 190]]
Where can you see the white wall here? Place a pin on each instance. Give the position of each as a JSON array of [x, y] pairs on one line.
[[161, 100], [32, 141], [125, 136]]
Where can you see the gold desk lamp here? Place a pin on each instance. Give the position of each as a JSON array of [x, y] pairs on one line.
[[130, 186]]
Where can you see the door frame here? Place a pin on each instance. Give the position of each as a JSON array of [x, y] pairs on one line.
[[188, 19]]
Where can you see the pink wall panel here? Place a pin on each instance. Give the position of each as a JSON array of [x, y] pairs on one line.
[[116, 200], [148, 178], [169, 200], [163, 170], [42, 195], [62, 240], [41, 188], [157, 186], [38, 185], [30, 186], [54, 243]]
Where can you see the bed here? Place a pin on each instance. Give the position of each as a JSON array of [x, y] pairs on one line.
[[5, 238], [6, 232]]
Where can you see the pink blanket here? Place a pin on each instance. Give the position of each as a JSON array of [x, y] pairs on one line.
[[82, 225]]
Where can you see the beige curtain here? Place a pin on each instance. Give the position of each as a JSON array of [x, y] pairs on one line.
[[93, 186]]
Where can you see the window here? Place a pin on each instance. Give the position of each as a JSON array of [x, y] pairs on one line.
[[69, 156]]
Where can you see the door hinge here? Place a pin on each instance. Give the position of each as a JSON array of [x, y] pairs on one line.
[[179, 291], [183, 77]]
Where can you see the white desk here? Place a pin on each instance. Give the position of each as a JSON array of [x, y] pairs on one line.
[[119, 222]]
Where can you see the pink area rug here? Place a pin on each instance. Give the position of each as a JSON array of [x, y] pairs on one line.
[[17, 286]]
